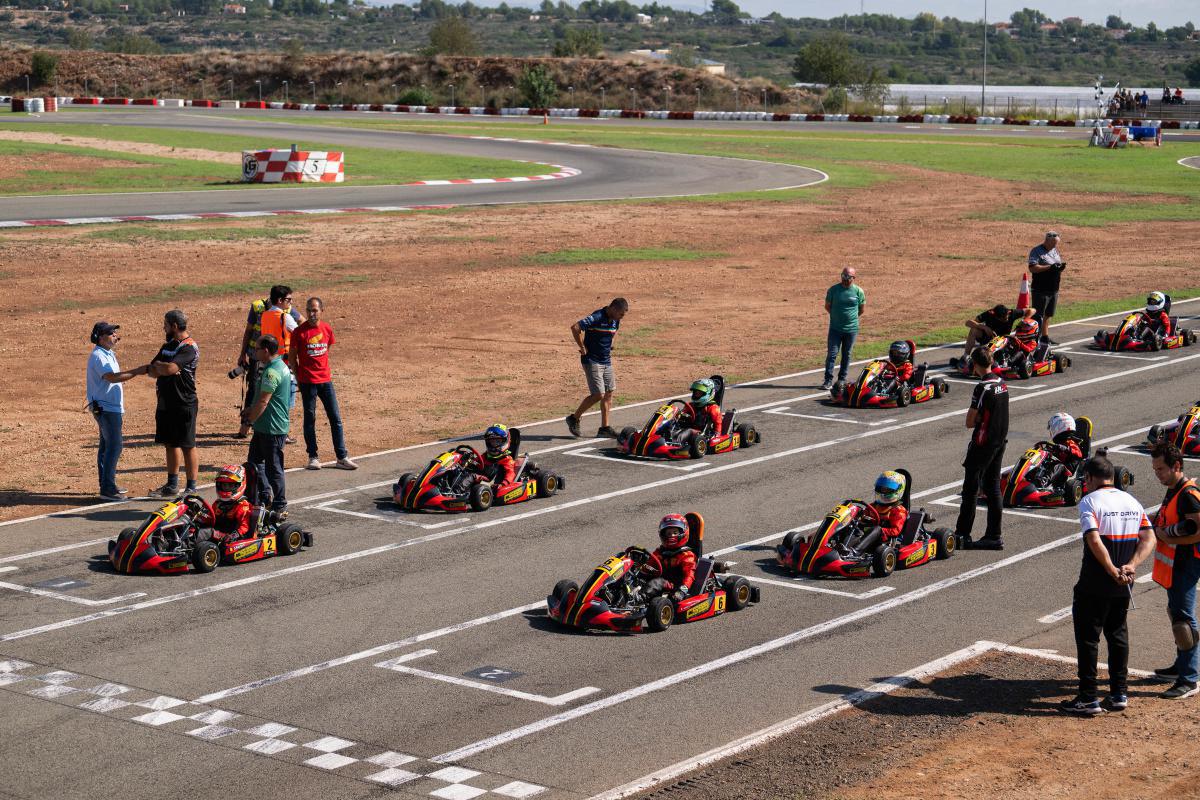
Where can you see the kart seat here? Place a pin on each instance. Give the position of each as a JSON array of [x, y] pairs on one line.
[[695, 533], [1083, 435], [719, 397], [918, 378], [912, 526], [727, 421], [704, 571], [912, 351], [1167, 305]]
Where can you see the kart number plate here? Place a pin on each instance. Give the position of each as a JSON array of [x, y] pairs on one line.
[[1031, 453], [1194, 410]]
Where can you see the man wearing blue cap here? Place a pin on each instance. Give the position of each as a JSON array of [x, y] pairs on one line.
[[106, 401]]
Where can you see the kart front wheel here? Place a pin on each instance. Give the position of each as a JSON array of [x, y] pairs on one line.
[[289, 538], [660, 614], [626, 435], [563, 589], [1022, 368], [737, 593], [1124, 478], [206, 556], [125, 534], [400, 487], [903, 395], [883, 561], [837, 391], [748, 435], [481, 497], [789, 541], [1072, 492], [946, 542], [698, 447]]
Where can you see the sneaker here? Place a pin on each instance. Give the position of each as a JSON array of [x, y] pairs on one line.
[[826, 386], [1083, 706], [346, 463], [1180, 690], [1169, 674], [606, 431], [1117, 702], [168, 491], [290, 440], [314, 463], [988, 543], [119, 494], [573, 425]]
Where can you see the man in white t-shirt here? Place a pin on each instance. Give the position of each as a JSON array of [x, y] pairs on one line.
[[1117, 537]]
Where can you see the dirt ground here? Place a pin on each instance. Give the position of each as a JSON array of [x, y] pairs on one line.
[[445, 324], [133, 148], [988, 728]]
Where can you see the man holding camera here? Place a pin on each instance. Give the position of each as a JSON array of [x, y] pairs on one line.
[[1047, 267], [279, 305]]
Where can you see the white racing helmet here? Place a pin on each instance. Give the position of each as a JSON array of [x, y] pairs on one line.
[[1061, 423], [1155, 302]]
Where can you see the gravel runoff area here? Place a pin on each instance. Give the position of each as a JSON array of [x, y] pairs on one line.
[[988, 727]]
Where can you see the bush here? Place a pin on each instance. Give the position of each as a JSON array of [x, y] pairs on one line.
[[1192, 71], [42, 68], [416, 96], [538, 87]]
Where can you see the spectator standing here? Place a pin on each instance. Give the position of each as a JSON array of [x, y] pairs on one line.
[[279, 320], [1117, 538], [995, 321], [310, 365], [988, 419], [594, 335], [106, 401], [174, 367], [268, 418], [1177, 566], [844, 302], [1047, 267]]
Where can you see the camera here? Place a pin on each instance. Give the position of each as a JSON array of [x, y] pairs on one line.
[[237, 372]]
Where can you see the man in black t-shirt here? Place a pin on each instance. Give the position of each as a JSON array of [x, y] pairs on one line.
[[1177, 566], [996, 321], [988, 419], [174, 366], [1047, 267]]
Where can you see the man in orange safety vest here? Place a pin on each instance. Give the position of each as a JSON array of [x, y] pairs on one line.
[[1177, 566]]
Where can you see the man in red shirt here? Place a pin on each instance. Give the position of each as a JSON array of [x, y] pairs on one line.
[[310, 363]]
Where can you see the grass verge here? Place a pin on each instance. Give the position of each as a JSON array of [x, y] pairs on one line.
[[608, 255], [190, 233]]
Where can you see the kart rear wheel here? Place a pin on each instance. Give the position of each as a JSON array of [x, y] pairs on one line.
[[1189, 337], [1124, 478], [627, 433], [206, 556], [660, 614], [481, 497], [1061, 363], [737, 593], [748, 434], [289, 539], [1072, 491], [563, 589], [697, 447], [946, 543], [940, 387], [548, 484], [883, 561]]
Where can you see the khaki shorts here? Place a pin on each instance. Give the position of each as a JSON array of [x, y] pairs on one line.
[[600, 378]]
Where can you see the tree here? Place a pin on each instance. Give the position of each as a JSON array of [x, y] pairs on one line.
[[42, 68], [537, 86], [579, 42], [452, 36], [1191, 71], [1115, 23], [725, 12], [684, 57], [827, 60], [79, 39]]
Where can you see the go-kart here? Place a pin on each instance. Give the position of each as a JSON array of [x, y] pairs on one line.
[[847, 543], [170, 542], [1134, 335], [1041, 480], [614, 597], [875, 389], [1042, 361], [1185, 434], [663, 435], [453, 482]]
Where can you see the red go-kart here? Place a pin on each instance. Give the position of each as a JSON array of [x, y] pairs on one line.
[[847, 543], [1041, 480], [874, 389], [1184, 434], [170, 543], [454, 482], [1134, 335], [663, 436], [613, 596], [1042, 361]]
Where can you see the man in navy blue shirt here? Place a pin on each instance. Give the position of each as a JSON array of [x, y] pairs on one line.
[[594, 334]]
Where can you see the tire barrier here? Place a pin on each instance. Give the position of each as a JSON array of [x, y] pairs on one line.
[[292, 166]]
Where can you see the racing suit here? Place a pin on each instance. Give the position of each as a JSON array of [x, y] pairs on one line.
[[499, 468], [892, 517], [1157, 323], [1020, 346], [902, 372], [700, 417], [673, 569], [1064, 448], [230, 519]]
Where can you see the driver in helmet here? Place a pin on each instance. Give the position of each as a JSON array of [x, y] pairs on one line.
[[889, 491], [232, 514], [1063, 444], [499, 466], [1024, 338], [702, 412], [672, 567], [1155, 320], [899, 362]]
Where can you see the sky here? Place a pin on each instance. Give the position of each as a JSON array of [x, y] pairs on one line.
[[1164, 13]]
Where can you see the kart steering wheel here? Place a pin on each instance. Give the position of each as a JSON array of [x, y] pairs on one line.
[[197, 506], [468, 453]]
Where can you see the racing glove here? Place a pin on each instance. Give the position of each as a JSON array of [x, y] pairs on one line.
[[680, 594], [1180, 529]]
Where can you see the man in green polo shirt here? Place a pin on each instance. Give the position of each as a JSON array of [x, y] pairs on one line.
[[269, 418], [844, 302]]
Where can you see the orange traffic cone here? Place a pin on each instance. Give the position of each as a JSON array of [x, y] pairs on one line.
[[546, 118], [1023, 292]]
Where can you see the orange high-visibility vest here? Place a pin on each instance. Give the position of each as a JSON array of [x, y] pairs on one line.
[[1164, 554], [273, 324]]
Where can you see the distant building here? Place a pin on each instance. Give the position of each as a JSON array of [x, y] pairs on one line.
[[1117, 33], [644, 19], [1048, 26], [711, 67]]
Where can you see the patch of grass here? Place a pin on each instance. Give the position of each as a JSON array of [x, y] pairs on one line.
[[644, 332], [837, 227], [712, 361], [1100, 217], [608, 255], [192, 291], [648, 352], [190, 233]]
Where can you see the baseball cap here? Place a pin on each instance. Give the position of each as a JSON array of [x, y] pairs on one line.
[[1052, 235], [102, 329]]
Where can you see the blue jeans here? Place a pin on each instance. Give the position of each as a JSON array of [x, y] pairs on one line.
[[1181, 605], [310, 392], [266, 450], [845, 342], [109, 450]]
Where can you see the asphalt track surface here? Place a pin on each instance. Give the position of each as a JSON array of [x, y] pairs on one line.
[[606, 173], [1193, 162], [413, 649]]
